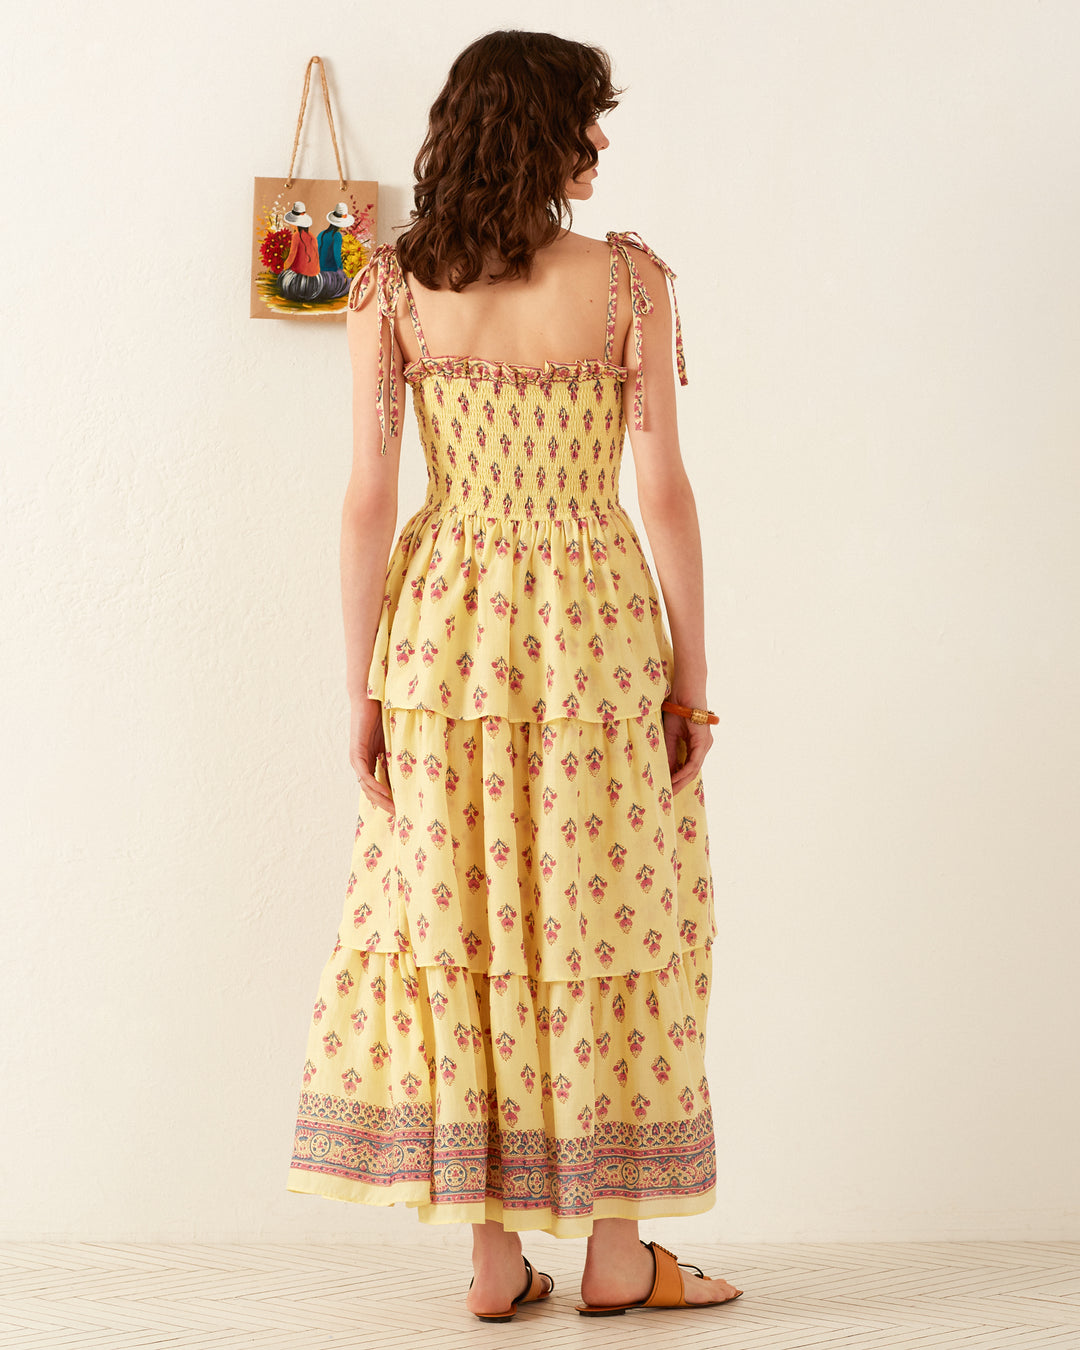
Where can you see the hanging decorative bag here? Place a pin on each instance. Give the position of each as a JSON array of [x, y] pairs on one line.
[[311, 235]]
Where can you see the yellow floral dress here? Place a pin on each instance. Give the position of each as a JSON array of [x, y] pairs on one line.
[[511, 1023]]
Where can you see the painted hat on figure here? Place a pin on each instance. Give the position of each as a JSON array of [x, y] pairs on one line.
[[298, 215], [340, 216]]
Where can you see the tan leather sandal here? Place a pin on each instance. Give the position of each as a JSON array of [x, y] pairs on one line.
[[534, 1290], [668, 1290]]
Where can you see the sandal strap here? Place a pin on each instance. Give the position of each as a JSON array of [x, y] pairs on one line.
[[535, 1288], [668, 1288]]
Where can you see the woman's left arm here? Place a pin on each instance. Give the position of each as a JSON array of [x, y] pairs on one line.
[[368, 520]]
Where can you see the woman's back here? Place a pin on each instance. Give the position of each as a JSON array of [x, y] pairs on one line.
[[559, 314]]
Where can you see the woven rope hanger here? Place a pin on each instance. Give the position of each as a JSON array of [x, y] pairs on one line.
[[315, 60]]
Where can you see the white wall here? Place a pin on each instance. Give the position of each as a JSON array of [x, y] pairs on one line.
[[873, 211]]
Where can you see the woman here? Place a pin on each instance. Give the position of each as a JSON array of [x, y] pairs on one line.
[[509, 1031]]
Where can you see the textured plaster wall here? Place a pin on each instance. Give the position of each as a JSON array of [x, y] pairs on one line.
[[873, 212]]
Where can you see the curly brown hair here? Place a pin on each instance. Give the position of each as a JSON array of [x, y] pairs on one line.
[[504, 136]]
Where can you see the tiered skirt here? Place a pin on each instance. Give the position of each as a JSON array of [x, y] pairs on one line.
[[511, 1023]]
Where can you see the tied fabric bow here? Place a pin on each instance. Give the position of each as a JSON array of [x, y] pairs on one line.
[[384, 268], [641, 303]]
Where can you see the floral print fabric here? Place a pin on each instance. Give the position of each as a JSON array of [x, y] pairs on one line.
[[511, 1022]]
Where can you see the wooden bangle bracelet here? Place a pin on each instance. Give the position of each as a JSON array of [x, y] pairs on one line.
[[701, 716]]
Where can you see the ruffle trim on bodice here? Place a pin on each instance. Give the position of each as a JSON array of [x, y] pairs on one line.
[[527, 620], [504, 372]]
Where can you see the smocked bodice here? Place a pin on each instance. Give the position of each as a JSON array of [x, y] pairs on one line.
[[520, 442]]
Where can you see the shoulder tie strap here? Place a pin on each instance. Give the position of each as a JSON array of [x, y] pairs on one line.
[[383, 270], [641, 304]]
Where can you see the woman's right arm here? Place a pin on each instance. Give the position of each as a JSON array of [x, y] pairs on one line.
[[368, 521], [669, 514]]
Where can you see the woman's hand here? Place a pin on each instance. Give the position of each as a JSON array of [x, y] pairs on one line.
[[367, 746], [698, 740]]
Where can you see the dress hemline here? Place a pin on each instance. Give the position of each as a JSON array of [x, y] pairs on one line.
[[416, 1196]]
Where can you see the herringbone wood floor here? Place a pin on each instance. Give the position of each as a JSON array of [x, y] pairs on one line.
[[805, 1296]]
